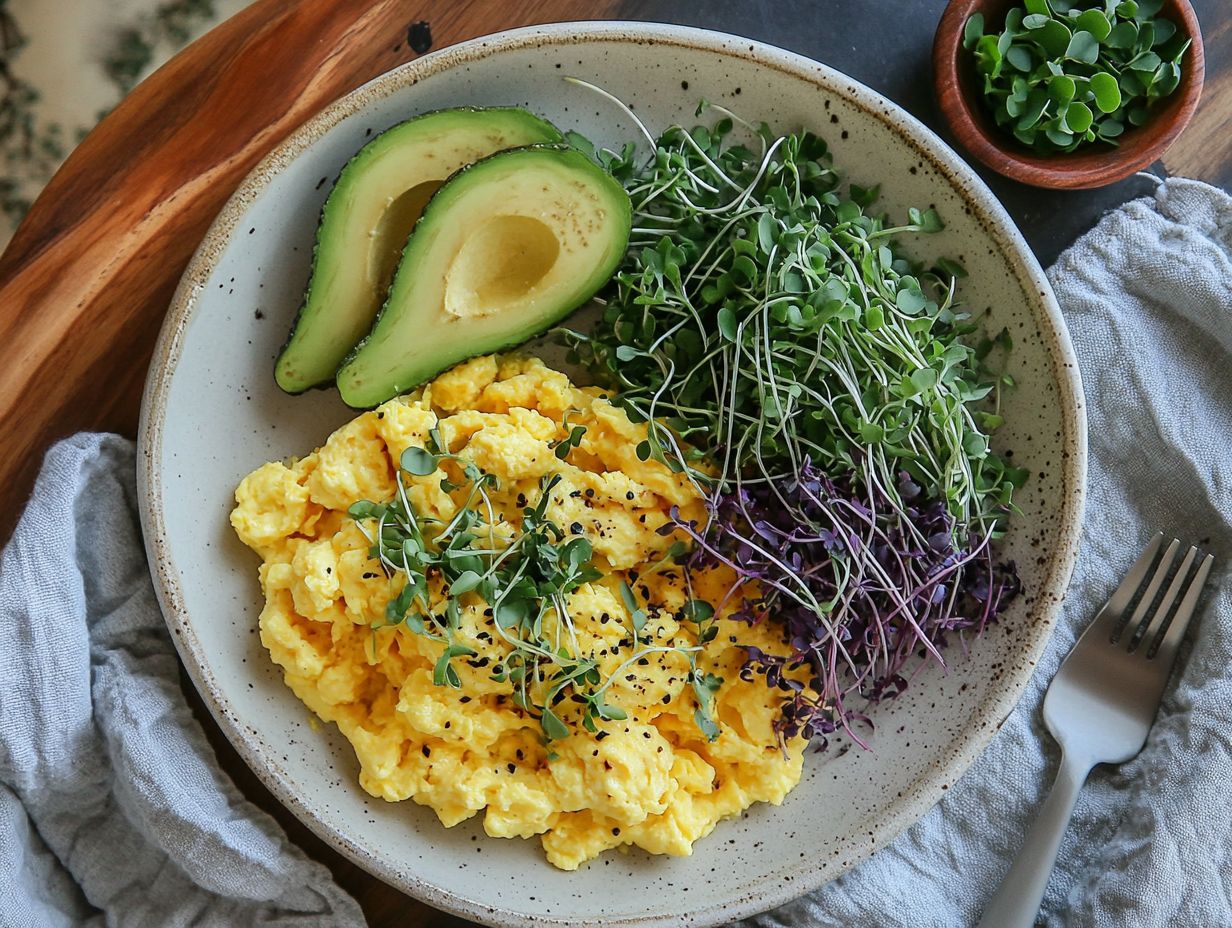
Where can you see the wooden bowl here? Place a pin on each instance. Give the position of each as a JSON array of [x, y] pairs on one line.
[[1097, 165]]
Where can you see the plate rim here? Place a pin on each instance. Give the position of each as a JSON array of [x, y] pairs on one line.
[[987, 718]]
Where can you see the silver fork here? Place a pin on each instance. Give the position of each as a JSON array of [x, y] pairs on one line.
[[1101, 704]]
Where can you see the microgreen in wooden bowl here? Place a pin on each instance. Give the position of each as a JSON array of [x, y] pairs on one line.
[[1068, 93], [1062, 74]]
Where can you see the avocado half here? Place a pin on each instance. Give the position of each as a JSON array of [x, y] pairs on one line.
[[367, 217], [506, 248]]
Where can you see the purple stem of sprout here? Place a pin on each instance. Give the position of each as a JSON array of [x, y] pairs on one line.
[[896, 580]]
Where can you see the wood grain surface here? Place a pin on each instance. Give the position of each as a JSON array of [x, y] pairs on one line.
[[86, 281]]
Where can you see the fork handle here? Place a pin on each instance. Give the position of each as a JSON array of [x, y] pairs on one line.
[[1017, 901]]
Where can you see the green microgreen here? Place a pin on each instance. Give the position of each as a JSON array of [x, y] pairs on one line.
[[824, 391], [572, 439], [762, 318], [1061, 74], [525, 575]]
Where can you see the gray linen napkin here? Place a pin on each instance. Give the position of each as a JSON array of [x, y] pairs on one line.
[[109, 798], [1147, 295], [112, 807]]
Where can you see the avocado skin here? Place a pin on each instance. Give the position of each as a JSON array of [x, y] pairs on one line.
[[327, 382], [621, 227]]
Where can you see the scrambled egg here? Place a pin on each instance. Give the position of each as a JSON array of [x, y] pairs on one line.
[[651, 780]]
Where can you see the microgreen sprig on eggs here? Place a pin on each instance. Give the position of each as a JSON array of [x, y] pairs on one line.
[[525, 576]]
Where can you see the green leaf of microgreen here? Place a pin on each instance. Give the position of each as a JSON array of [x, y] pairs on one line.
[[988, 57], [415, 622], [1020, 58], [705, 687], [1061, 89], [1083, 47], [1053, 37], [1107, 94], [706, 724], [419, 462], [926, 220], [553, 728], [464, 583], [365, 510], [950, 267], [580, 142], [636, 614], [1078, 117], [610, 712], [1059, 136], [443, 674], [698, 610], [973, 29], [1094, 22]]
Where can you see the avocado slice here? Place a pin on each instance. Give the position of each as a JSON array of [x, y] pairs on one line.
[[505, 249], [367, 217]]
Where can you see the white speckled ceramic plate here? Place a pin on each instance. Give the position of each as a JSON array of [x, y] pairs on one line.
[[212, 413]]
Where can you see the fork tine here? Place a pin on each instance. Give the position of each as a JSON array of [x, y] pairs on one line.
[[1152, 589], [1184, 612], [1109, 618], [1144, 635]]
